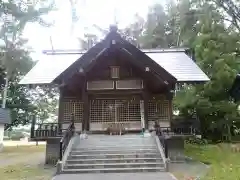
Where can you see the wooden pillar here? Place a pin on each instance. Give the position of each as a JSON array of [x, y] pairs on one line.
[[33, 118], [85, 123], [60, 109], [146, 99], [170, 108]]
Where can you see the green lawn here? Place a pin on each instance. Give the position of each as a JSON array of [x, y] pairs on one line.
[[224, 164], [24, 163], [19, 151], [25, 172]]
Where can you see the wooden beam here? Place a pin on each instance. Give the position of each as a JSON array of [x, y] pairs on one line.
[[85, 123], [169, 97], [136, 62], [141, 56], [33, 118], [146, 99], [60, 106]]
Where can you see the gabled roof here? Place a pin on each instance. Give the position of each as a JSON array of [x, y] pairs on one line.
[[170, 65], [180, 65], [49, 68]]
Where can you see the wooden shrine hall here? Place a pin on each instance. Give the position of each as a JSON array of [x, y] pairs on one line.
[[115, 84]]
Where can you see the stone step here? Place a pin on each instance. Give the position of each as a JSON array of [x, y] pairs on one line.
[[111, 151], [112, 160], [132, 146], [114, 170], [114, 165], [114, 148], [103, 139], [136, 136], [119, 138], [116, 142], [115, 155]]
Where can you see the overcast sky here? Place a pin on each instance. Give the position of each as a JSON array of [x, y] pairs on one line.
[[99, 12]]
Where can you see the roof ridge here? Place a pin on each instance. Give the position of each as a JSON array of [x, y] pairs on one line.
[[78, 51]]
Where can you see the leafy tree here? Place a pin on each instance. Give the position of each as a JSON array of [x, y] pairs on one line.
[[155, 28], [217, 54], [232, 11], [14, 57]]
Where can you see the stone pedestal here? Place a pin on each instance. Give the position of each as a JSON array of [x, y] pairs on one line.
[[175, 146], [52, 151], [1, 147]]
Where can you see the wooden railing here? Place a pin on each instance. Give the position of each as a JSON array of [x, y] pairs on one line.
[[48, 130], [45, 130], [53, 130], [67, 136], [177, 131]]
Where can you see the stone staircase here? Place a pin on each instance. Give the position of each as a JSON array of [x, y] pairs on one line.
[[112, 154]]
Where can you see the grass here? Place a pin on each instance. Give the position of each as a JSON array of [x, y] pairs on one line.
[[25, 172], [20, 163], [224, 164], [12, 151]]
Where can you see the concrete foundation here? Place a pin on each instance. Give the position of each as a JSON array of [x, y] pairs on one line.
[[175, 145], [1, 136], [52, 151]]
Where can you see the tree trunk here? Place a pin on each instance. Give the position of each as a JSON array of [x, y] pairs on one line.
[[4, 98], [229, 133]]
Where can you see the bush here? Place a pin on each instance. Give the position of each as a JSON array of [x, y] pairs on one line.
[[6, 138], [196, 141], [16, 137], [236, 138]]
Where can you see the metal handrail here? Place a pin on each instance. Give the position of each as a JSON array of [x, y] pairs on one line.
[[161, 150], [68, 134]]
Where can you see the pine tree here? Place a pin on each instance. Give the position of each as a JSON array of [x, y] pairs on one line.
[[217, 54]]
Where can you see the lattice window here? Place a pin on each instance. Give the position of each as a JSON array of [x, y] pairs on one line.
[[115, 72], [158, 110], [122, 110], [114, 110], [72, 106], [102, 110], [152, 109], [134, 111]]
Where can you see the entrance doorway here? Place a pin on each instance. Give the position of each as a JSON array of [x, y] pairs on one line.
[[104, 112]]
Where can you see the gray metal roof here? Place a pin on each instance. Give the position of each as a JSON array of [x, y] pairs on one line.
[[5, 116], [177, 63], [181, 66], [48, 68]]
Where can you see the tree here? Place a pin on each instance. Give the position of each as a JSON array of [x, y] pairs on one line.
[[174, 27], [217, 54], [15, 59], [155, 28], [232, 11]]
